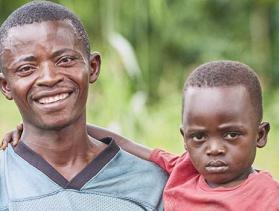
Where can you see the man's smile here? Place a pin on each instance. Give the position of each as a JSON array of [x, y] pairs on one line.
[[52, 99]]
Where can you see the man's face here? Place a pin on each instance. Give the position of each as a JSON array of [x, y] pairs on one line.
[[221, 133], [47, 73]]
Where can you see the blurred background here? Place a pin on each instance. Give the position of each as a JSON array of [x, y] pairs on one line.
[[149, 47]]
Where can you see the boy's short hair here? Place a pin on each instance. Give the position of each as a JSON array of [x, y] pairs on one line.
[[40, 11], [227, 73]]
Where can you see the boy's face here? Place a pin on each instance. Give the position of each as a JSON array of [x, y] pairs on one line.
[[221, 133], [47, 73]]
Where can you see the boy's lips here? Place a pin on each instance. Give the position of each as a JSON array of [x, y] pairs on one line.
[[216, 166]]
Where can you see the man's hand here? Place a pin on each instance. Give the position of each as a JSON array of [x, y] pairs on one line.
[[12, 137]]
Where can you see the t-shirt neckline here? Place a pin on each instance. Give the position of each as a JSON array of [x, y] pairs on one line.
[[204, 186], [82, 177]]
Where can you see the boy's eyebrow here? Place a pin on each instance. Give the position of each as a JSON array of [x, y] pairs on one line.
[[232, 126], [195, 129]]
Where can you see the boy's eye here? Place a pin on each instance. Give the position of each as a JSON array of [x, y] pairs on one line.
[[231, 135], [198, 137]]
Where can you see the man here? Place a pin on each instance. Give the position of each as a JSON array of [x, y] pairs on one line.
[[46, 69]]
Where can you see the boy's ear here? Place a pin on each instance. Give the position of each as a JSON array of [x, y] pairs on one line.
[[5, 88], [182, 133], [263, 130], [95, 65]]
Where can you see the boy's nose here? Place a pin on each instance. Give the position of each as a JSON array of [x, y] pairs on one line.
[[49, 75], [214, 148]]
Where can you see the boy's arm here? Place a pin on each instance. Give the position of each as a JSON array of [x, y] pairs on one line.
[[94, 131], [162, 158], [125, 143], [128, 145]]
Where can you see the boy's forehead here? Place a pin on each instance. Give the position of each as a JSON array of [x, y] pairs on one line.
[[227, 99], [202, 92]]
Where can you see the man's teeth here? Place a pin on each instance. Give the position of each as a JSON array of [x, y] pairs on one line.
[[53, 99]]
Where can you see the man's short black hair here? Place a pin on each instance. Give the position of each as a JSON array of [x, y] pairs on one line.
[[227, 73], [40, 11]]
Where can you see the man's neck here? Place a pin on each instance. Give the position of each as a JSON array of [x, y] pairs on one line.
[[68, 149]]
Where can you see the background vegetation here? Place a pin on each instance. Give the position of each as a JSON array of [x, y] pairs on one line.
[[148, 48]]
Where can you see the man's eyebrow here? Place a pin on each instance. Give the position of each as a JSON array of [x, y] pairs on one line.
[[61, 51], [23, 59], [27, 59]]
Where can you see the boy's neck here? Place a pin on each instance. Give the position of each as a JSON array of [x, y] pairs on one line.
[[234, 182]]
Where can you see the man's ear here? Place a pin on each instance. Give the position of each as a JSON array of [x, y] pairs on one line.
[[95, 65], [5, 88], [263, 130]]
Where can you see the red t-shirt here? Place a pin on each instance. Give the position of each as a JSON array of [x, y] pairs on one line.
[[187, 190]]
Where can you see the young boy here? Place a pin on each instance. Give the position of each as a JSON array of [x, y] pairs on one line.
[[222, 127]]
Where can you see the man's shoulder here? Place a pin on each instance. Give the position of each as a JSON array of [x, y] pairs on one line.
[[135, 165], [122, 163], [127, 176]]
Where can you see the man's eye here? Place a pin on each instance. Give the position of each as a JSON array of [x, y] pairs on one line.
[[66, 60], [231, 135], [25, 70], [198, 137]]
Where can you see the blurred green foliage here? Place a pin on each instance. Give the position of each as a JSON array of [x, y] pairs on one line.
[[148, 48]]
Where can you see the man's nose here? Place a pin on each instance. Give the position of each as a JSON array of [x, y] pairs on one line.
[[215, 147], [49, 75]]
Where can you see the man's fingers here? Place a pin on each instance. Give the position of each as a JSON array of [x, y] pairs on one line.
[[12, 137], [19, 127], [7, 138], [16, 136], [1, 143]]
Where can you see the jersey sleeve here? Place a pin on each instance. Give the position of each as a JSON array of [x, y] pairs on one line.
[[3, 192], [165, 160]]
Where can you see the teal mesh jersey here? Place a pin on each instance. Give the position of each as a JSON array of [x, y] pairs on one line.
[[114, 181]]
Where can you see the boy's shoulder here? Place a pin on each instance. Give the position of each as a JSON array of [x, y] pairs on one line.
[[265, 180], [268, 189]]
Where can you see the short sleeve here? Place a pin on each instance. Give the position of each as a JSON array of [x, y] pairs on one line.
[[3, 192], [165, 160]]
